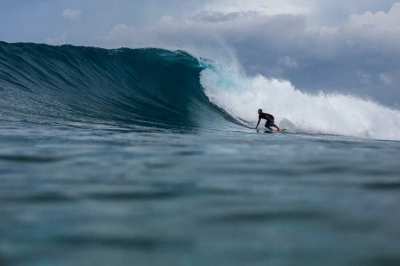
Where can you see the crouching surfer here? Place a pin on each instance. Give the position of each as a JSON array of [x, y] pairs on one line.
[[270, 120]]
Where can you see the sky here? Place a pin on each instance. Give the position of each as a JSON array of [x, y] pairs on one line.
[[335, 46]]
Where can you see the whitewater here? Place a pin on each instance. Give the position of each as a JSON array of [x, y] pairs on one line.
[[322, 113], [150, 157]]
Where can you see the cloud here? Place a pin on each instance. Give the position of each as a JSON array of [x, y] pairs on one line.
[[271, 7], [357, 56], [71, 14], [380, 28], [380, 20], [351, 47]]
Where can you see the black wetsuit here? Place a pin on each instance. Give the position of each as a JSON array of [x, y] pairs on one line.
[[270, 120]]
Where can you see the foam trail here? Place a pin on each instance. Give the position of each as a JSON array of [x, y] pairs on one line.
[[240, 95]]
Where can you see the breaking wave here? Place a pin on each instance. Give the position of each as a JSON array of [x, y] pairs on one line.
[[321, 113], [63, 84], [167, 89]]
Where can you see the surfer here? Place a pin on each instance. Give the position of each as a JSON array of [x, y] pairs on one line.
[[270, 120]]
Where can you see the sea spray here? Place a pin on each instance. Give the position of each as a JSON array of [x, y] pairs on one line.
[[322, 113]]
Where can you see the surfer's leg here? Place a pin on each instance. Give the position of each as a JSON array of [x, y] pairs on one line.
[[268, 125], [275, 126]]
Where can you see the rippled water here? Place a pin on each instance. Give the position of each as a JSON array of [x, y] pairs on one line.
[[107, 196]]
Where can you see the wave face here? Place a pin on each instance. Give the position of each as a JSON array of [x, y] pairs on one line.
[[321, 113], [147, 87]]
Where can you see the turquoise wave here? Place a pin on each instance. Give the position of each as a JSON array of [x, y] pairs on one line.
[[146, 87]]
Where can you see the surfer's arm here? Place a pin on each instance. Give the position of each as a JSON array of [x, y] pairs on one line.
[[259, 120]]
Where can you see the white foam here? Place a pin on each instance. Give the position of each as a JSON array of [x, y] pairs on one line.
[[242, 95]]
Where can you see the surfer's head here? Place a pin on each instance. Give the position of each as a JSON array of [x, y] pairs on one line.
[[259, 111]]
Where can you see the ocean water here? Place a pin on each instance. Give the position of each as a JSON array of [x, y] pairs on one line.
[[147, 157]]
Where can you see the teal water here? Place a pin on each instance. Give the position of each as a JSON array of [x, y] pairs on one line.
[[112, 197], [111, 172]]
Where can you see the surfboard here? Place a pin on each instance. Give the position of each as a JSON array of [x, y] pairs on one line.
[[283, 130]]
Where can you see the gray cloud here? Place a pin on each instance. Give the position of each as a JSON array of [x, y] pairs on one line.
[[359, 56], [351, 47], [71, 14]]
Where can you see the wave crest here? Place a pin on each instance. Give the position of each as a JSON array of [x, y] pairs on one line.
[[320, 113], [150, 87]]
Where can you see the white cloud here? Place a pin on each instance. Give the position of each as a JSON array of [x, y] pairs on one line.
[[285, 32], [349, 55], [271, 7], [71, 14], [388, 22]]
